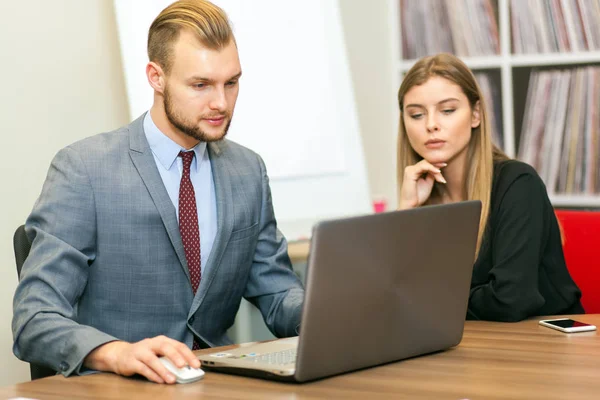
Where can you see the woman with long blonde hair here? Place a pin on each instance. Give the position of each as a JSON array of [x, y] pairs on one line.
[[445, 155]]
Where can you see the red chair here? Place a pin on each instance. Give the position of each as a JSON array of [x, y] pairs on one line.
[[581, 244]]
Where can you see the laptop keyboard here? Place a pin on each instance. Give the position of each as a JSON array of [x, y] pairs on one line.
[[277, 358]]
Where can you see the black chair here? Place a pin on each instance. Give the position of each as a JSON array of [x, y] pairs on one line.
[[21, 245]]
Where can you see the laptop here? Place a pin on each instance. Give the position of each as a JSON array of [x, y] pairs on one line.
[[379, 288]]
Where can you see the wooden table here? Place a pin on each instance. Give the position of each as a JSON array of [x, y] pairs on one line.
[[494, 361]]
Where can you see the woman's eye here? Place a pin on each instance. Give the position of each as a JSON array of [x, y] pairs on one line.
[[416, 116], [448, 111]]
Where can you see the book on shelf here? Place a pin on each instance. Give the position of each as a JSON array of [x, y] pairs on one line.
[[549, 26], [560, 131], [491, 95], [568, 139], [463, 27], [554, 127], [594, 154]]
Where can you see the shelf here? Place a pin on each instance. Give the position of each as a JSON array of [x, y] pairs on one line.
[[569, 200], [484, 62], [522, 60], [543, 60]]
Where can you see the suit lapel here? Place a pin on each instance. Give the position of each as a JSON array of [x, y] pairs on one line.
[[143, 160], [223, 197]]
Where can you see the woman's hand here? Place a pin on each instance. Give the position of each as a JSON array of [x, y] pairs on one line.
[[418, 183]]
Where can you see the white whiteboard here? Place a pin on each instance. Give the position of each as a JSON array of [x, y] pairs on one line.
[[295, 69]]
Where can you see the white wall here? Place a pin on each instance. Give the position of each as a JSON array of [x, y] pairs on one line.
[[62, 81], [367, 28]]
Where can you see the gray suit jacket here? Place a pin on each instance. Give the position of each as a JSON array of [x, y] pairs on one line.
[[107, 260]]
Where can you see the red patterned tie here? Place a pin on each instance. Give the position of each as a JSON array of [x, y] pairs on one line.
[[188, 224], [188, 220]]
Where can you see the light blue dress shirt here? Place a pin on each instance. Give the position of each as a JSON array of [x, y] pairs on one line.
[[170, 167]]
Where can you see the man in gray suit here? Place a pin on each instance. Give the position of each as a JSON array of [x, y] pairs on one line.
[[145, 239]]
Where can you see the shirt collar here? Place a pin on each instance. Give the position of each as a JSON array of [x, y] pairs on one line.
[[164, 148]]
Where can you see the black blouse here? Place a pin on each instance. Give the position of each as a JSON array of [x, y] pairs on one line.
[[521, 271]]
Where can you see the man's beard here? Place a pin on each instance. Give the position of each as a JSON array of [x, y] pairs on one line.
[[188, 128]]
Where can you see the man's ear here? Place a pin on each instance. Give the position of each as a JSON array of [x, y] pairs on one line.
[[476, 115], [156, 76]]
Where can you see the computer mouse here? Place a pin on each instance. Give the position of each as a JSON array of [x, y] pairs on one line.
[[186, 374]]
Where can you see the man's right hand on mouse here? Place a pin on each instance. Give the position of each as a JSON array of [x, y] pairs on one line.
[[141, 358]]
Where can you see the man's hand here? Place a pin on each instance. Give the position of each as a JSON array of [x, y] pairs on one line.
[[141, 358]]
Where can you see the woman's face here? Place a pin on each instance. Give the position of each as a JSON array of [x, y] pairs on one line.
[[438, 120]]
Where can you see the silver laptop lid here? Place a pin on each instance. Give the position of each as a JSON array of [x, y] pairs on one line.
[[385, 287]]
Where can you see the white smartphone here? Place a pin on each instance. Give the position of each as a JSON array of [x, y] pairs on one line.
[[567, 325]]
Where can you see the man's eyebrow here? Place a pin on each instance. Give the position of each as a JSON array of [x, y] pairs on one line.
[[209, 80], [236, 76]]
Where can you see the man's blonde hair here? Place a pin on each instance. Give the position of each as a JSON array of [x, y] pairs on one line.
[[207, 21], [481, 152]]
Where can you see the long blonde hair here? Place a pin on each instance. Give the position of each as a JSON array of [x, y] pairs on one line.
[[481, 152]]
